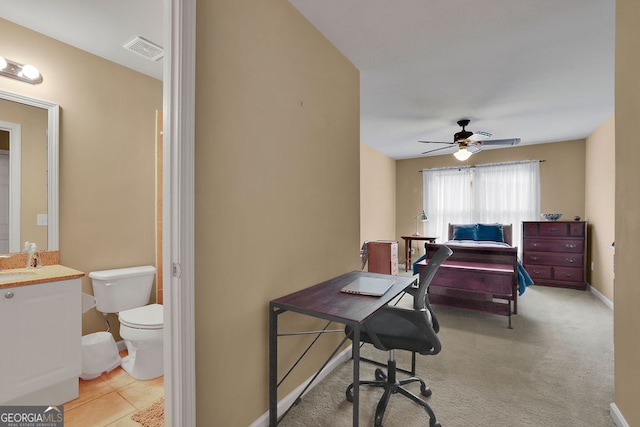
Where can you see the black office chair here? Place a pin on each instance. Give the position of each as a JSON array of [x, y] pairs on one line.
[[392, 328]]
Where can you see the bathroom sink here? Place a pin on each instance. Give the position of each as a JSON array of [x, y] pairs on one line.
[[6, 276]]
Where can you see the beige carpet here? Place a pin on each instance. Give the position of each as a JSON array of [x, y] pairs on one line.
[[151, 416], [555, 368]]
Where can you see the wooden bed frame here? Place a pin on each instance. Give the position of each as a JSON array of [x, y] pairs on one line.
[[479, 278]]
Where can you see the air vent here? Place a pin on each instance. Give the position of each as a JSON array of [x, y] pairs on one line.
[[145, 48]]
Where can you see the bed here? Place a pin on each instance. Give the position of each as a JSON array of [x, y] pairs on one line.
[[483, 274]]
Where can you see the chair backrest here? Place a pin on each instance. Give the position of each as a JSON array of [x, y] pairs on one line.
[[426, 275], [421, 300]]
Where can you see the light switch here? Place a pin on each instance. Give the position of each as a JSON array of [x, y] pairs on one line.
[[42, 219]]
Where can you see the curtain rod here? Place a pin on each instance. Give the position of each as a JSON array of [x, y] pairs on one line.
[[479, 166]]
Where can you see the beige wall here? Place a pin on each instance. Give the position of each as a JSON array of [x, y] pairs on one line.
[[277, 193], [561, 178], [107, 216], [33, 168], [600, 205], [377, 195], [627, 225]]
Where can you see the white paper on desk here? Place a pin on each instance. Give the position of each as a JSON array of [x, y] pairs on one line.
[[372, 286]]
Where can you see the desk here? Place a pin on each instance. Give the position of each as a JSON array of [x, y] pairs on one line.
[[407, 246], [325, 301]]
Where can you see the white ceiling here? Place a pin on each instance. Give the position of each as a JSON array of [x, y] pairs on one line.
[[539, 70], [99, 27]]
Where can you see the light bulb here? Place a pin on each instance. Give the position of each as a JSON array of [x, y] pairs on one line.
[[3, 63], [462, 154], [30, 72]]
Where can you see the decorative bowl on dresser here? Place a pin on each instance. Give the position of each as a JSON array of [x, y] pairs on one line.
[[555, 252]]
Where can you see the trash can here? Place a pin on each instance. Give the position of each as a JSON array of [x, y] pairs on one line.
[[99, 355]]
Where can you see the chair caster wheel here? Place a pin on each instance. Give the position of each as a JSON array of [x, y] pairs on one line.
[[380, 376], [425, 391]]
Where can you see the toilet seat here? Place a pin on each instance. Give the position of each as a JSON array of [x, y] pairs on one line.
[[146, 317]]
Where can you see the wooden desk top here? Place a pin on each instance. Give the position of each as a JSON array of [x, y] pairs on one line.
[[325, 300]]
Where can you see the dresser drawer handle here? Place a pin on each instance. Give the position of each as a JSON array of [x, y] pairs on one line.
[[534, 258], [535, 245], [568, 274], [571, 260], [537, 271], [552, 229], [8, 295], [569, 245]]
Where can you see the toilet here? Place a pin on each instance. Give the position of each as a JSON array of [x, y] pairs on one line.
[[126, 291]]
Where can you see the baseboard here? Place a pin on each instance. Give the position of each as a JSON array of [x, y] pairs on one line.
[[617, 417], [601, 297], [288, 400]]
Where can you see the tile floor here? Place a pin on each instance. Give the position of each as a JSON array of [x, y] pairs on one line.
[[111, 399]]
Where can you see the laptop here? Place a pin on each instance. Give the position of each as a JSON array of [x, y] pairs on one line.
[[371, 286]]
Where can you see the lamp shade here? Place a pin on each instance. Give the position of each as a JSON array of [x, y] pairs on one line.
[[462, 154], [421, 217]]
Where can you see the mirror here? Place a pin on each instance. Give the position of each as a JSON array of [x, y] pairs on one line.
[[19, 161]]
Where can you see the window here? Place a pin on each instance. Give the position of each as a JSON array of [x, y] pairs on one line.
[[506, 193]]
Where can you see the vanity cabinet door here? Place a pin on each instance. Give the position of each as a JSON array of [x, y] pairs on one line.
[[41, 335]]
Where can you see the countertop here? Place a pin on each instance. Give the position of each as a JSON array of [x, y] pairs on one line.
[[32, 276]]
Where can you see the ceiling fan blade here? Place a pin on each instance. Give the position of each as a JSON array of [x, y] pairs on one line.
[[473, 148], [479, 136], [438, 142], [437, 149], [512, 141]]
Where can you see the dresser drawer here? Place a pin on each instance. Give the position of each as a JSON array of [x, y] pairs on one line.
[[530, 229], [568, 274], [553, 228], [576, 229], [539, 271], [566, 259], [552, 245]]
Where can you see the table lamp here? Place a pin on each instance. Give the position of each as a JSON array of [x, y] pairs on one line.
[[421, 217]]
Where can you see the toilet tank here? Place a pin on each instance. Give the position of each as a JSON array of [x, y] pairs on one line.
[[122, 288]]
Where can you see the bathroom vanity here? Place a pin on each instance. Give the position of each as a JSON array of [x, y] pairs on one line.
[[41, 333]]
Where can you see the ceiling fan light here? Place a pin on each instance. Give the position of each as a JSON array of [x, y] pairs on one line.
[[3, 63], [462, 154]]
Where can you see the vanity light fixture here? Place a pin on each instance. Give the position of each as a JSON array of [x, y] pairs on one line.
[[25, 73]]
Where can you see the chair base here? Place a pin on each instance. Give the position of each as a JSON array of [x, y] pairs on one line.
[[392, 386]]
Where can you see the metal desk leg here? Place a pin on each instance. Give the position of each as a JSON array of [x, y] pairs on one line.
[[356, 375], [273, 367]]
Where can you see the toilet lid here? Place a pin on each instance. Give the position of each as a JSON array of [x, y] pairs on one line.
[[146, 317]]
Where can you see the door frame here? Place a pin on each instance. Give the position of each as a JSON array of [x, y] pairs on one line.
[[15, 184], [178, 212]]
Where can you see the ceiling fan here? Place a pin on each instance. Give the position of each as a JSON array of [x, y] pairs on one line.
[[470, 142]]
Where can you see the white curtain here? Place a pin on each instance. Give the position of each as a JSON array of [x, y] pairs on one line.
[[507, 193], [447, 199]]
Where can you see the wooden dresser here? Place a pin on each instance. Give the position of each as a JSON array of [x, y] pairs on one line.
[[555, 252], [383, 256]]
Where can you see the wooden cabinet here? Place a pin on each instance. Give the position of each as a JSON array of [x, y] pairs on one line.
[[41, 334], [555, 252], [383, 256]]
